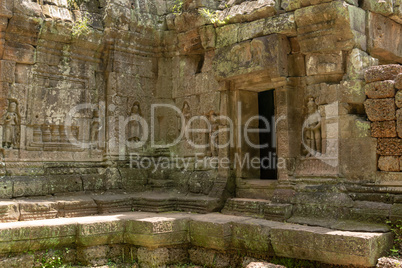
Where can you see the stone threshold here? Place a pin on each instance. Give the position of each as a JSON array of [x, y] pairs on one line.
[[213, 231], [79, 205]]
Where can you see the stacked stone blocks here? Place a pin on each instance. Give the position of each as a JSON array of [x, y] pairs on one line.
[[383, 107]]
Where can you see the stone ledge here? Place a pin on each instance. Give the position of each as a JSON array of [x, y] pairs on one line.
[[45, 207], [151, 230], [257, 208]]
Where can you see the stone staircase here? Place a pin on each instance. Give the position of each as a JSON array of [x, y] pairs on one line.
[[160, 239]]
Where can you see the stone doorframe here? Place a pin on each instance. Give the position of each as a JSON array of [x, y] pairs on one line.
[[248, 182], [245, 69]]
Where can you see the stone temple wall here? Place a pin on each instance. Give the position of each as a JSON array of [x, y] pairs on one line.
[[139, 53]]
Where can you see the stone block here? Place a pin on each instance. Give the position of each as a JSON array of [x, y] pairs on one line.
[[389, 146], [190, 42], [290, 5], [211, 231], [57, 13], [6, 187], [95, 233], [9, 211], [93, 256], [64, 184], [380, 109], [153, 257], [187, 21], [352, 92], [93, 182], [368, 211], [6, 8], [358, 158], [28, 186], [28, 8], [384, 7], [134, 179], [379, 44], [113, 203], [208, 36], [329, 63], [398, 81], [297, 65], [7, 71], [35, 237], [37, 210], [20, 53], [76, 206], [330, 27], [265, 54], [26, 260], [383, 129], [396, 212], [251, 30], [356, 62], [389, 163], [252, 236], [330, 246], [380, 89], [382, 72], [399, 122], [23, 29], [22, 73], [282, 24], [227, 35], [249, 11], [209, 258], [157, 232]]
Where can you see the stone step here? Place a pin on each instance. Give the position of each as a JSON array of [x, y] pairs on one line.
[[155, 239], [26, 209], [258, 208]]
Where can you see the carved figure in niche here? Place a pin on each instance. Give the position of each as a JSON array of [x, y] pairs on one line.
[[186, 111], [11, 125], [95, 128], [312, 129], [135, 128], [213, 137]]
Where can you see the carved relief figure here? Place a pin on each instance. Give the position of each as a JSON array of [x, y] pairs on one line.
[[213, 133], [11, 125], [135, 129], [312, 129], [95, 127], [186, 111]]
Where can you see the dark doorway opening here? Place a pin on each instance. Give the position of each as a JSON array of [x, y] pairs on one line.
[[266, 109]]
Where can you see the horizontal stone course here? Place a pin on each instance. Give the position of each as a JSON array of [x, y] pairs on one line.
[[26, 209], [210, 231]]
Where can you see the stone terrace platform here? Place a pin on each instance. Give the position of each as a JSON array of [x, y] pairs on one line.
[[156, 239]]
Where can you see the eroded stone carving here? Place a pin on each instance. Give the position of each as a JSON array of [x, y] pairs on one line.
[[11, 127], [312, 130], [213, 137], [135, 129], [186, 111], [95, 127]]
